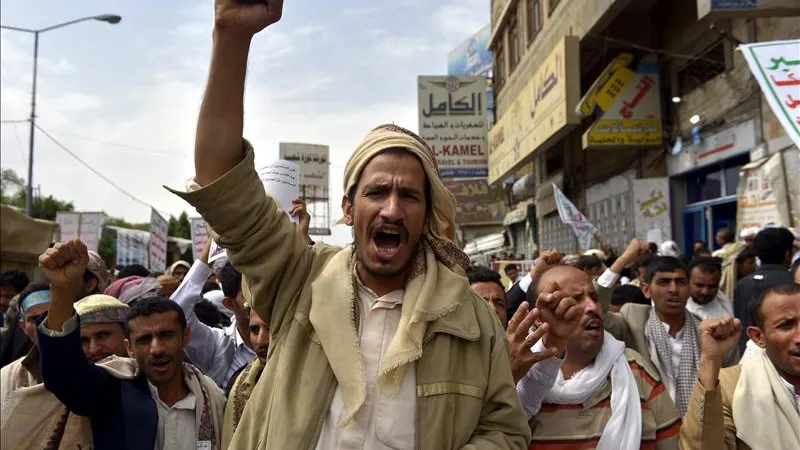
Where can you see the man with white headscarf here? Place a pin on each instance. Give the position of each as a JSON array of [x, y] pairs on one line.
[[604, 396], [379, 345]]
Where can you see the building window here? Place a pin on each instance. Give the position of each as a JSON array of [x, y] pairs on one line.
[[499, 70], [534, 19], [708, 65], [553, 6], [514, 53]]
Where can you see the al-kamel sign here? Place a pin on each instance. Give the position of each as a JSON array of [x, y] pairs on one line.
[[452, 120], [540, 112]]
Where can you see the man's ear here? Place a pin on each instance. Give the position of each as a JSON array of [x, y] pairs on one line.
[[646, 291], [129, 348], [756, 335], [347, 210]]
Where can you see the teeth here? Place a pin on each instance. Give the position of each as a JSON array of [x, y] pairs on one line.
[[392, 232]]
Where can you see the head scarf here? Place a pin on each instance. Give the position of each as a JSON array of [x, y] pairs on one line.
[[98, 268], [443, 202], [134, 288], [216, 297], [101, 308], [33, 299], [669, 248], [183, 264]]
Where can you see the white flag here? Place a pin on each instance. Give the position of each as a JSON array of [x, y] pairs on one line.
[[571, 216]]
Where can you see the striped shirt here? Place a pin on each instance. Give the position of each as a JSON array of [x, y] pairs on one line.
[[579, 427]]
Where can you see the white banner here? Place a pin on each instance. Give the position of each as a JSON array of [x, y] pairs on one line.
[[452, 120], [651, 214], [199, 236], [159, 228], [761, 195], [69, 225], [132, 247], [91, 229], [313, 161], [282, 182], [776, 66], [571, 216]]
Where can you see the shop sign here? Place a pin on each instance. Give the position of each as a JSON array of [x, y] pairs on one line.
[[540, 112], [727, 9], [762, 199], [477, 201], [629, 106], [713, 148], [651, 209]]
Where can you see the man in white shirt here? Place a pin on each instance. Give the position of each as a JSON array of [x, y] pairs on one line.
[[707, 300]]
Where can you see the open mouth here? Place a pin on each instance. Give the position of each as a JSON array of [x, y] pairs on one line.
[[675, 301], [161, 364], [387, 241], [594, 326]]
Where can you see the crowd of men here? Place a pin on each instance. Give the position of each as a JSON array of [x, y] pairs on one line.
[[395, 341]]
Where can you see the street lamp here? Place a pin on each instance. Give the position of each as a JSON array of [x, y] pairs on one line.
[[110, 18]]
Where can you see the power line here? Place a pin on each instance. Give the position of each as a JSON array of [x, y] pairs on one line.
[[14, 121], [117, 144], [96, 172], [19, 147]]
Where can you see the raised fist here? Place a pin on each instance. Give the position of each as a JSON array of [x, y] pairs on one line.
[[246, 17], [718, 337], [64, 264]]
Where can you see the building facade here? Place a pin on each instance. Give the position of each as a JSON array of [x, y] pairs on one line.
[[598, 98]]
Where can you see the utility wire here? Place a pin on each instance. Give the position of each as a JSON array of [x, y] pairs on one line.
[[14, 121], [117, 144], [19, 147], [96, 172]]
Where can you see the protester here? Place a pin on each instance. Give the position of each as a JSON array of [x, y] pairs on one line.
[[748, 234], [707, 300], [627, 294], [753, 405], [604, 396], [129, 290], [666, 333], [158, 402], [357, 335], [591, 265], [12, 282], [219, 353], [512, 273], [641, 269], [95, 280], [774, 248], [486, 283], [725, 239], [133, 270], [179, 270], [102, 320], [242, 383], [18, 340], [746, 262]]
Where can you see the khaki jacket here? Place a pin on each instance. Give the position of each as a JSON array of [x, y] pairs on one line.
[[466, 397], [709, 420]]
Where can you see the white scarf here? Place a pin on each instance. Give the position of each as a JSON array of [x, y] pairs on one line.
[[624, 430], [763, 411]]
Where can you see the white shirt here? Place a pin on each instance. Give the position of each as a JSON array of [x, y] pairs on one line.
[[793, 393], [676, 344], [535, 385], [177, 426], [382, 422], [217, 352], [719, 307]]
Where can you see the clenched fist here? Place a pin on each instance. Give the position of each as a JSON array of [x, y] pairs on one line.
[[718, 337], [246, 17], [64, 264], [560, 311]]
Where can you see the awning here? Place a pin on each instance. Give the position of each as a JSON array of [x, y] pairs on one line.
[[518, 214], [485, 244]]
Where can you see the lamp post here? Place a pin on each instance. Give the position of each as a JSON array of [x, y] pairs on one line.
[[110, 18]]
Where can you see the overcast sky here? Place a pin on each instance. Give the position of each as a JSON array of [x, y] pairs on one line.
[[125, 97]]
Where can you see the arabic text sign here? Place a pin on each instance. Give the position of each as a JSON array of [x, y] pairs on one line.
[[477, 201], [313, 161], [472, 57], [199, 236], [544, 108], [633, 117], [91, 227], [132, 247], [776, 66], [282, 182], [761, 194], [69, 224], [452, 120], [159, 228], [570, 215], [651, 210]]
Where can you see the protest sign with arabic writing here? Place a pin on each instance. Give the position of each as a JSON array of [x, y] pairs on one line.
[[776, 66], [159, 228], [199, 236], [282, 182], [571, 216]]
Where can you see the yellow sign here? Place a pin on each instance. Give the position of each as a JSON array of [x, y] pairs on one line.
[[630, 109], [600, 95], [540, 111]]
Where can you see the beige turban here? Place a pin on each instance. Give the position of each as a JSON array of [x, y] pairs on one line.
[[443, 207], [101, 308]]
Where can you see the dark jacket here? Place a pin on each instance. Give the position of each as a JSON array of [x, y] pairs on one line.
[[752, 287], [14, 344], [122, 412]]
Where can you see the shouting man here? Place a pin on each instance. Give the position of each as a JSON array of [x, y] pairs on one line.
[[379, 345], [753, 405]]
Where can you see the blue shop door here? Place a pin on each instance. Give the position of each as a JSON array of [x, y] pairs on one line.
[[695, 228], [723, 216]]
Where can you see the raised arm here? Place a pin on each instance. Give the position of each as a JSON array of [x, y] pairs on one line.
[[218, 143]]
